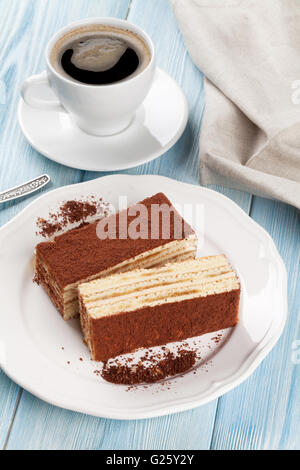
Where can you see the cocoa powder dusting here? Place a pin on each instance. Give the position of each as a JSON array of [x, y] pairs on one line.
[[71, 212], [217, 338], [171, 364]]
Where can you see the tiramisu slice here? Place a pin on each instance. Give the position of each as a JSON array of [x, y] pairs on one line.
[[81, 256], [151, 307]]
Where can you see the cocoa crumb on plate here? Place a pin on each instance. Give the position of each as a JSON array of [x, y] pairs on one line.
[[171, 364], [72, 212]]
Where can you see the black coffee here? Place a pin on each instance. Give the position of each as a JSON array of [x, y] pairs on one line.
[[100, 55]]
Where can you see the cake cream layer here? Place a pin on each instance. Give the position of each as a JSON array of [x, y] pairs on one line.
[[186, 299], [80, 256], [185, 249]]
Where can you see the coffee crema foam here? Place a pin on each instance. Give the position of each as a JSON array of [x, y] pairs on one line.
[[100, 55]]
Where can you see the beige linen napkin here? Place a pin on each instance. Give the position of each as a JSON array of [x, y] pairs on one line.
[[249, 51]]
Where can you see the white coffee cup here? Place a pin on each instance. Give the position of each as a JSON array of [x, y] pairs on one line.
[[99, 110]]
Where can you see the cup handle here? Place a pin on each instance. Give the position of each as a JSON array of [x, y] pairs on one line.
[[27, 93]]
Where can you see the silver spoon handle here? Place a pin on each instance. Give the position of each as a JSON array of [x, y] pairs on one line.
[[24, 189]]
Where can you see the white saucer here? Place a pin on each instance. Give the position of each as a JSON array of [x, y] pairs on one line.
[[157, 126], [42, 353]]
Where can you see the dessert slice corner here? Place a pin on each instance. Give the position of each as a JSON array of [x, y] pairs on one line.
[[150, 307]]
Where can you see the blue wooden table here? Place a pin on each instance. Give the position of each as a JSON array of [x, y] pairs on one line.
[[263, 412]]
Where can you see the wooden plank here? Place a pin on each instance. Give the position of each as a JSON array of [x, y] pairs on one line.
[[9, 394], [263, 413], [52, 428], [18, 162], [24, 34]]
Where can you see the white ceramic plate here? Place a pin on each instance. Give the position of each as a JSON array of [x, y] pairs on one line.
[[157, 126], [32, 333]]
